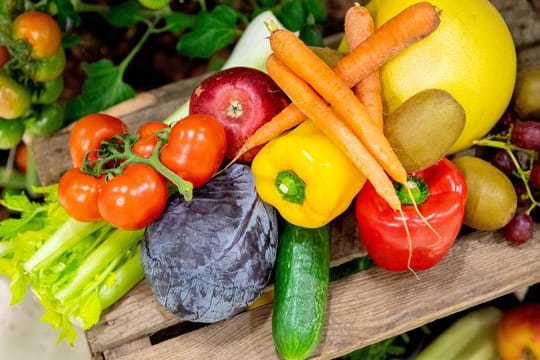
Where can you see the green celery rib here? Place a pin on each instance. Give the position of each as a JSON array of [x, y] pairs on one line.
[[125, 278], [116, 245], [71, 232]]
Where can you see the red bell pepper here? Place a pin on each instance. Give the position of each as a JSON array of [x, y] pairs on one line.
[[440, 192]]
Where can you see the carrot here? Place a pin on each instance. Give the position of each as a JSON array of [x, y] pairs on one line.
[[301, 60], [354, 65], [286, 119], [359, 26], [406, 28], [318, 111]]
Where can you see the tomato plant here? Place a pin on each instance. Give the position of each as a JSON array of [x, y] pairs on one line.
[[88, 133], [196, 148], [21, 157], [4, 55], [11, 133], [14, 98], [154, 4], [41, 32], [133, 199], [78, 194], [49, 68], [47, 120], [48, 92], [148, 139]]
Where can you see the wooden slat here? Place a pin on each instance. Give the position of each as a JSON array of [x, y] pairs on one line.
[[373, 305], [139, 314]]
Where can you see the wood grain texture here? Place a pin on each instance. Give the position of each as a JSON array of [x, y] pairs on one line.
[[373, 305]]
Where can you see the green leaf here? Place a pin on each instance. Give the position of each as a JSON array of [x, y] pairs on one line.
[[292, 14], [125, 14], [69, 41], [103, 88], [18, 202], [212, 31], [178, 21], [65, 13], [318, 9]]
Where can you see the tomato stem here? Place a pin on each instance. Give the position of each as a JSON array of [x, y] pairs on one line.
[[115, 154]]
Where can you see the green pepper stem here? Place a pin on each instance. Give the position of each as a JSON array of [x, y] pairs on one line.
[[415, 187], [291, 187]]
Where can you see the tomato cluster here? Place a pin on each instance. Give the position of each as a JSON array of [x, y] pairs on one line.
[[32, 62], [124, 179]]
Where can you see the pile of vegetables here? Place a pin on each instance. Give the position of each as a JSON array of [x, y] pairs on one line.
[[246, 178]]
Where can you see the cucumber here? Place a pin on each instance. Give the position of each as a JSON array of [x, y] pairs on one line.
[[300, 290]]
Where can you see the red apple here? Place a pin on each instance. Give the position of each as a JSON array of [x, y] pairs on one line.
[[242, 99], [518, 333]]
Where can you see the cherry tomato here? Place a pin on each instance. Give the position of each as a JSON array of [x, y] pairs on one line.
[[147, 141], [47, 69], [154, 4], [78, 194], [89, 131], [49, 91], [195, 149], [4, 55], [14, 98], [21, 157], [41, 32], [133, 199], [11, 133]]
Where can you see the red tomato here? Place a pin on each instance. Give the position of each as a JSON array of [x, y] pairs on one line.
[[133, 199], [21, 157], [195, 149], [88, 133], [4, 55], [147, 138], [78, 194], [41, 32], [518, 333]]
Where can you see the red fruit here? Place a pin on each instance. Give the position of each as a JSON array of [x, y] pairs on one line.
[[242, 99], [518, 333]]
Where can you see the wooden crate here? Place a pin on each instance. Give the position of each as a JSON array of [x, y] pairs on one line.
[[363, 308]]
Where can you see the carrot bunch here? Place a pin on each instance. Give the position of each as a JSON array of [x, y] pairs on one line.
[[324, 95]]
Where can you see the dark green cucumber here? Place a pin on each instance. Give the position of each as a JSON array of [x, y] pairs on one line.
[[300, 290]]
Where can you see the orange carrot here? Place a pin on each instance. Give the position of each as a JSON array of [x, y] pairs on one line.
[[286, 119], [359, 26], [301, 60], [406, 28], [353, 66], [318, 111]]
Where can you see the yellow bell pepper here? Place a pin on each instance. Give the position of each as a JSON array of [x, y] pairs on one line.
[[306, 177]]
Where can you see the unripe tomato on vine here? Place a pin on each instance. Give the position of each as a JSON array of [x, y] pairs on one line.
[[154, 4]]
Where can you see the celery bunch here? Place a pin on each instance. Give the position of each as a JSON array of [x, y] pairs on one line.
[[74, 269]]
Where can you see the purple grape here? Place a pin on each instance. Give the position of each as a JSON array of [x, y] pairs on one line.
[[520, 229], [526, 134], [521, 193], [534, 178], [503, 162], [504, 123]]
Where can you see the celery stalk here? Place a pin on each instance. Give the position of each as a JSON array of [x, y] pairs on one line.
[[470, 335], [65, 237], [123, 280], [116, 244]]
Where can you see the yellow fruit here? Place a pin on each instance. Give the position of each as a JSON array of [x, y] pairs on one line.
[[471, 55]]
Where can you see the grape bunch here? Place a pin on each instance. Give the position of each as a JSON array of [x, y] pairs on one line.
[[513, 146]]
